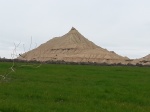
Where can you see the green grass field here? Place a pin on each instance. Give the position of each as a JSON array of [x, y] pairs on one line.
[[75, 88]]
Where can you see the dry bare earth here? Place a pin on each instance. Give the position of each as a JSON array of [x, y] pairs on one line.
[[144, 60], [73, 47]]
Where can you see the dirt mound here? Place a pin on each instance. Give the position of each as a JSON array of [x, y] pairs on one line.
[[72, 47], [143, 61]]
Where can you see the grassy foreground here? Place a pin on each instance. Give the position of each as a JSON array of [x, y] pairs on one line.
[[75, 88]]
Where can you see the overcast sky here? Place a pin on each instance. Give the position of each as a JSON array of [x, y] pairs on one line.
[[122, 26]]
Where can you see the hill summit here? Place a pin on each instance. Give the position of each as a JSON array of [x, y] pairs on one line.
[[72, 47]]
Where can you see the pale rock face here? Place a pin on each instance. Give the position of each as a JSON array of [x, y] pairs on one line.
[[144, 60], [73, 47]]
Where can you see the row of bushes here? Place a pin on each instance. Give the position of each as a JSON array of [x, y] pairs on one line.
[[71, 63]]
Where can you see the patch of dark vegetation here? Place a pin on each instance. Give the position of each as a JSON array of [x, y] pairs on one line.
[[72, 63], [9, 109], [60, 99], [144, 61]]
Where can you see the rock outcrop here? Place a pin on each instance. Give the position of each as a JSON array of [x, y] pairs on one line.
[[142, 61]]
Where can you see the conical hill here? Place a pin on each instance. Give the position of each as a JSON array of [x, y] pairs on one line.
[[72, 40], [72, 47]]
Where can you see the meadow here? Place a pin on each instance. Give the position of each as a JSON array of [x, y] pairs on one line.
[[75, 88]]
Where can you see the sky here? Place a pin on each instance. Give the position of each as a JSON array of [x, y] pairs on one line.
[[122, 26]]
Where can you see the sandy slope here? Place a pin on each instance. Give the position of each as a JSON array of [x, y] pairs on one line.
[[73, 47], [144, 60]]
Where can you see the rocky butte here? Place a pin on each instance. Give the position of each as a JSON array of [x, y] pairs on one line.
[[72, 47]]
